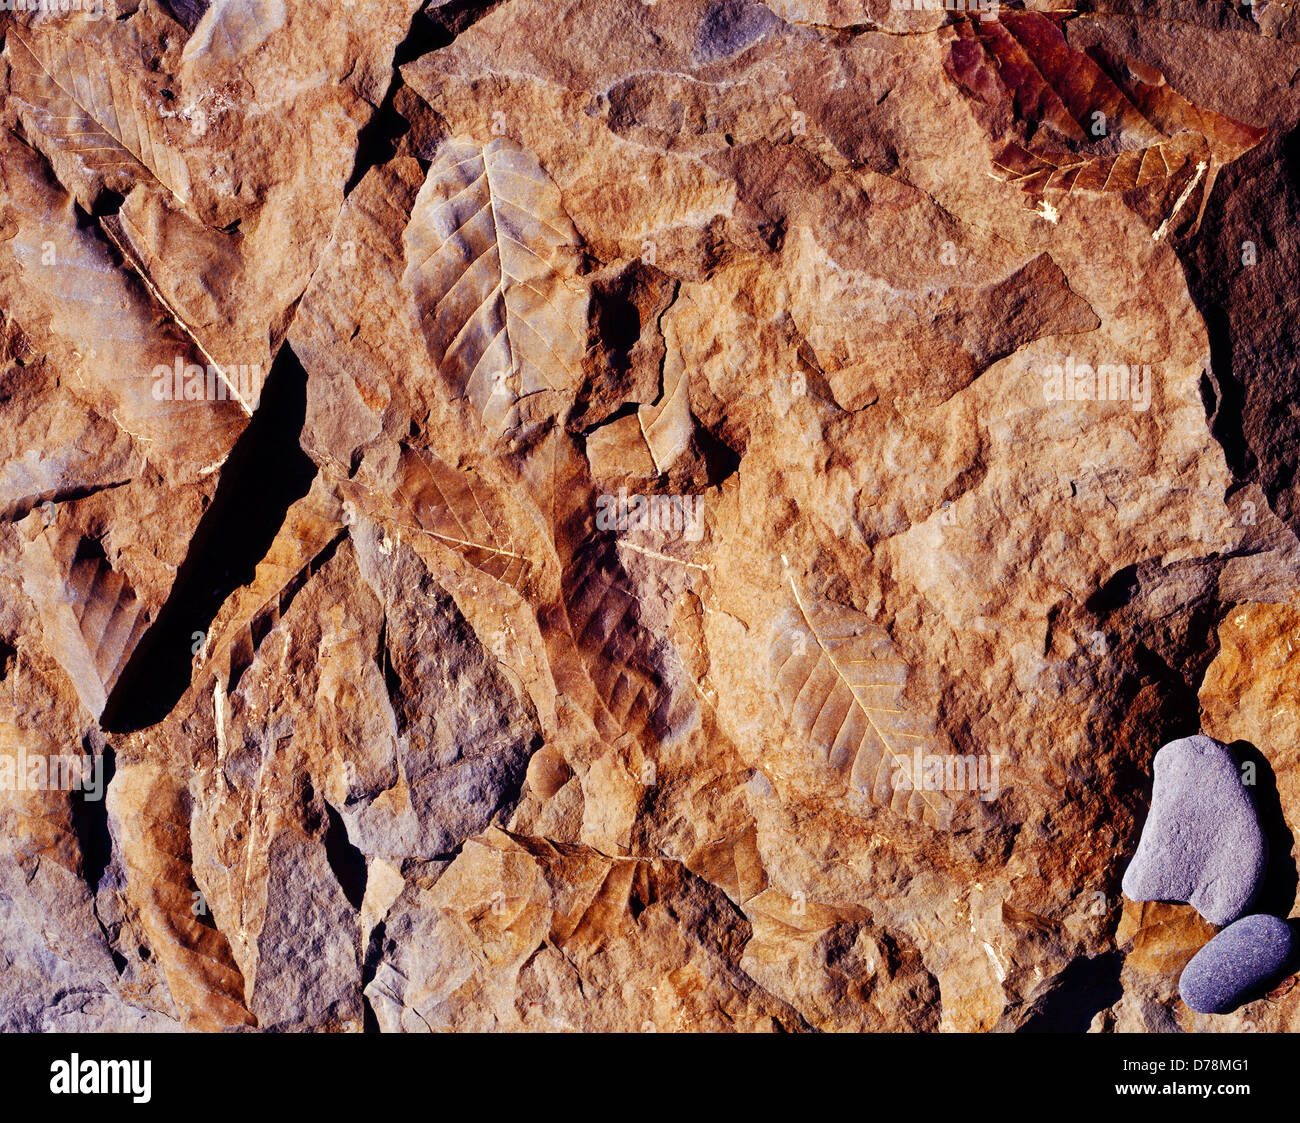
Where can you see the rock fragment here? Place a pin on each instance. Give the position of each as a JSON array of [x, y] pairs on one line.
[[1202, 842], [1237, 963]]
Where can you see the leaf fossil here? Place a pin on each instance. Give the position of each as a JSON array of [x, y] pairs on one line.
[[149, 812], [87, 108], [454, 510], [1086, 121], [90, 614], [492, 266], [842, 683]]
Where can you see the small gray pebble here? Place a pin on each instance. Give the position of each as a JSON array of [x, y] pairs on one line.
[[1238, 961], [1202, 842]]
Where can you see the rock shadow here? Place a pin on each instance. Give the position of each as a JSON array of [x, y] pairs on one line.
[[1278, 893]]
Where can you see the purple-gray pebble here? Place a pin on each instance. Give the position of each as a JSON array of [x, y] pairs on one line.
[[1202, 842], [1238, 961]]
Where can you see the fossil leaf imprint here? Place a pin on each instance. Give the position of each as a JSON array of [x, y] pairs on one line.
[[842, 684], [120, 233], [1092, 121], [601, 614], [492, 264], [602, 655], [90, 614], [448, 506], [90, 110], [231, 29], [56, 272], [150, 822]]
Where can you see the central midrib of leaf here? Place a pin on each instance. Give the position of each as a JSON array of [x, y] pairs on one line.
[[862, 705]]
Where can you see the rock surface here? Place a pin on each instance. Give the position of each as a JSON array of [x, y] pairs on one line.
[[682, 569], [1202, 842], [1237, 963]]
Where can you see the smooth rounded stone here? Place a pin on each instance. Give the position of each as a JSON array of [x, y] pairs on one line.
[[1202, 842], [1236, 963]]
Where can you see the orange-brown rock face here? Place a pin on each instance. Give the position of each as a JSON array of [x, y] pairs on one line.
[[621, 515]]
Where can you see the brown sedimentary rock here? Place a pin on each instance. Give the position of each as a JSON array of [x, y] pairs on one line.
[[732, 499]]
